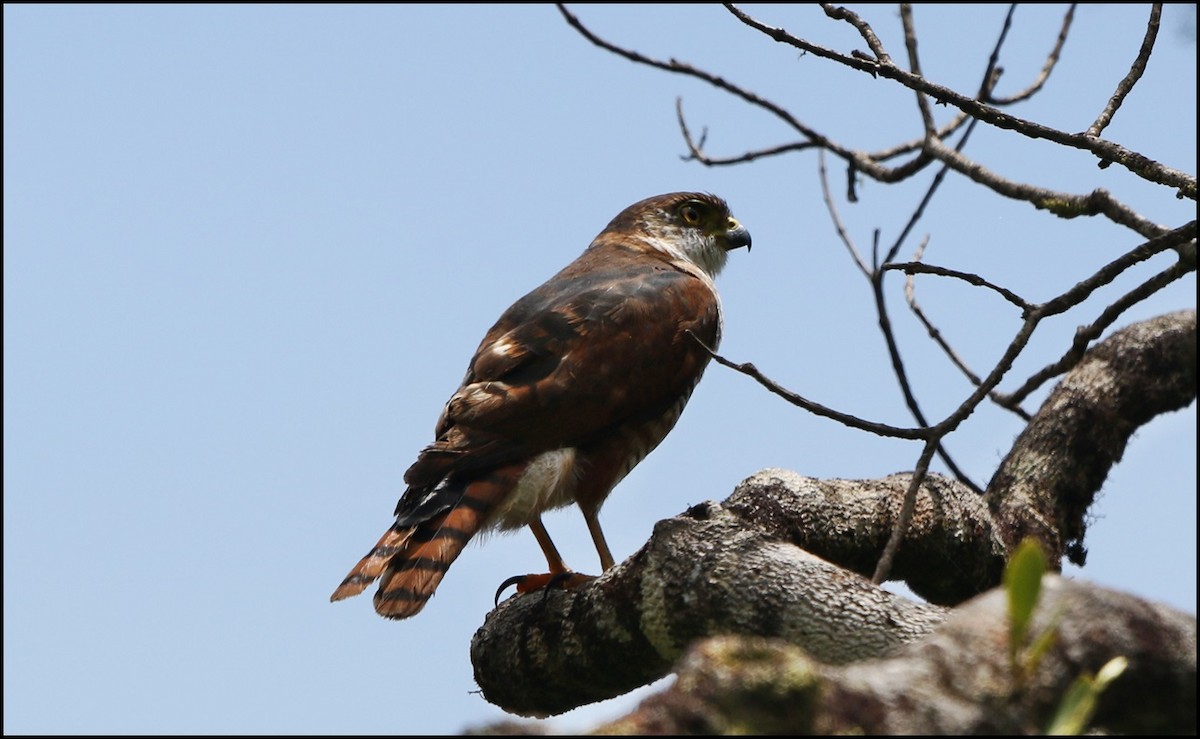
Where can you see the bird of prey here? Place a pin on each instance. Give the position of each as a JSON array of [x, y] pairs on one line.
[[575, 384]]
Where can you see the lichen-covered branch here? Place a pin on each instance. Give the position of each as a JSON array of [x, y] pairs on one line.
[[708, 571], [1050, 478], [956, 681]]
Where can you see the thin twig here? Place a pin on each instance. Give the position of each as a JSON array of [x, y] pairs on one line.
[[914, 64], [748, 369], [884, 566], [873, 169], [885, 325], [1084, 335], [912, 268], [910, 294], [1136, 163], [837, 220], [1047, 68], [1099, 202], [1063, 205], [696, 149], [927, 197], [1125, 86], [991, 74], [842, 14], [915, 145], [1109, 272], [910, 398]]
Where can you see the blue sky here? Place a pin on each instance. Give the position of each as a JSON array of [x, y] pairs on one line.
[[248, 251]]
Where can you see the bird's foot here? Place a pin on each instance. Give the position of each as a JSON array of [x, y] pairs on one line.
[[547, 581]]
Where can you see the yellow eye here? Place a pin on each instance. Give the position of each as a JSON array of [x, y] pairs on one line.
[[691, 213]]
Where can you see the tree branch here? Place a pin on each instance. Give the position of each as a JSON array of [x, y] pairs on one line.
[[954, 682], [1047, 68], [735, 568], [1106, 151], [1050, 478], [707, 571]]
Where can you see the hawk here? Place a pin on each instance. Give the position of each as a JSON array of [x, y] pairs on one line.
[[575, 384]]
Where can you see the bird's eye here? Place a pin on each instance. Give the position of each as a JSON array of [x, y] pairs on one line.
[[690, 213]]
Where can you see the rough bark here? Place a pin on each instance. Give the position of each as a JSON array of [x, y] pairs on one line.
[[848, 522], [707, 571], [955, 681], [1050, 478]]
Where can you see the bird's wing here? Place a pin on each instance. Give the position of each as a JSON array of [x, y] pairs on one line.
[[585, 352]]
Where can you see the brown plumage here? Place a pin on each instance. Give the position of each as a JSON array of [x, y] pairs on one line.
[[575, 384]]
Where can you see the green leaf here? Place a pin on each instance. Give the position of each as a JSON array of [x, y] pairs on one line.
[[1041, 645], [1079, 703], [1023, 581], [1076, 708]]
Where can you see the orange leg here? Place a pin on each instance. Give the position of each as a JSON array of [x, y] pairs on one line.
[[553, 558], [593, 524]]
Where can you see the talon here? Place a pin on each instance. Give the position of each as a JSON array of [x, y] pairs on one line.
[[514, 580], [533, 583]]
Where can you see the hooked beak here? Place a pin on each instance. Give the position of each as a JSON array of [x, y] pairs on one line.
[[736, 236]]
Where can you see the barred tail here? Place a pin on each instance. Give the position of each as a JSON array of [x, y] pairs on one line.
[[370, 567], [410, 562]]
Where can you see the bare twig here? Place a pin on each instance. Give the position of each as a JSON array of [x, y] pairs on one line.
[[748, 369], [864, 30], [987, 87], [1109, 272], [991, 75], [912, 268], [915, 145], [696, 148], [914, 64], [910, 294], [884, 567], [1064, 205], [1047, 68], [927, 197], [1086, 334], [837, 220], [1135, 73], [871, 168], [935, 442], [1138, 164]]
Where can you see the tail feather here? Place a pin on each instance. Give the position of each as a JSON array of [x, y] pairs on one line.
[[370, 567], [411, 562], [411, 578]]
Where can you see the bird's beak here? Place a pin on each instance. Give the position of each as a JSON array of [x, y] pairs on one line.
[[736, 236]]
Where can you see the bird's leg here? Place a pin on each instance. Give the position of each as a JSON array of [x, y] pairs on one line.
[[558, 576], [553, 558], [593, 523]]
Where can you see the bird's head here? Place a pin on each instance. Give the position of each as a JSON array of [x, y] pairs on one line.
[[694, 227]]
